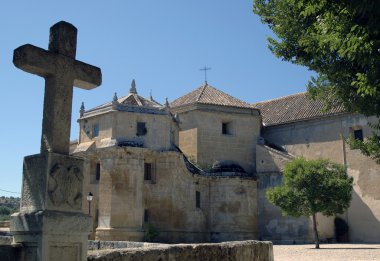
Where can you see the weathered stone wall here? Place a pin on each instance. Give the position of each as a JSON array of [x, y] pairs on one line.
[[227, 210], [233, 209], [272, 224], [125, 251], [239, 251], [212, 145], [321, 139], [188, 142], [122, 125]]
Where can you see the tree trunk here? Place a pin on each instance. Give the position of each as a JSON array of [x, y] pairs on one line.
[[316, 237]]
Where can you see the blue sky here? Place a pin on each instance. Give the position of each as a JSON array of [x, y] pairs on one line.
[[162, 44]]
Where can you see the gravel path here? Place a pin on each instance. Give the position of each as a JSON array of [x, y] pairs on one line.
[[327, 252]]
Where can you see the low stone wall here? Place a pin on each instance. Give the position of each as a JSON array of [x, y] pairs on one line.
[[98, 244], [4, 224], [5, 240], [141, 251], [237, 250]]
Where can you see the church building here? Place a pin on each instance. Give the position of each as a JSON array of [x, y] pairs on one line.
[[196, 169]]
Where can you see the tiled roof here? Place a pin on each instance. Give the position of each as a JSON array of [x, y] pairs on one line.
[[137, 100], [131, 99], [207, 94], [294, 107]]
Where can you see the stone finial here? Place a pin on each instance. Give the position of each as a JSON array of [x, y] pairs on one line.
[[167, 102], [115, 101], [133, 87], [150, 95], [81, 111]]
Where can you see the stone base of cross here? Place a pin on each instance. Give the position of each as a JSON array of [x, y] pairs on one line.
[[51, 224]]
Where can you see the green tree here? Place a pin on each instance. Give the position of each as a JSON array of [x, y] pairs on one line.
[[311, 187], [340, 40]]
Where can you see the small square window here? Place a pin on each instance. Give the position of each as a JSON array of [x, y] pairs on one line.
[[141, 129], [147, 171], [95, 130], [358, 134], [197, 199], [226, 128]]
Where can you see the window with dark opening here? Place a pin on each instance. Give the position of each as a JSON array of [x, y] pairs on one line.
[[147, 171], [146, 216], [141, 129], [96, 216], [226, 128], [97, 172], [95, 130], [358, 134], [197, 199]]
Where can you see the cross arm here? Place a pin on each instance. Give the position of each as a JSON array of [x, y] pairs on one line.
[[86, 76], [34, 60]]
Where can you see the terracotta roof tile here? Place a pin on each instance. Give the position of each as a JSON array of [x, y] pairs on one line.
[[294, 107], [207, 94], [131, 99]]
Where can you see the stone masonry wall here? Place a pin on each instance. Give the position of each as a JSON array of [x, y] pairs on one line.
[[212, 145], [239, 251], [227, 210], [320, 138]]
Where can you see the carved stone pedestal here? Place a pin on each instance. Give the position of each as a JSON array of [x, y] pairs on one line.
[[51, 225]]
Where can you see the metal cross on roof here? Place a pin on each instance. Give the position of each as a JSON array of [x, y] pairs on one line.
[[205, 69]]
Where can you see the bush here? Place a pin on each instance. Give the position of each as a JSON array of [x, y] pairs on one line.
[[151, 233], [5, 211]]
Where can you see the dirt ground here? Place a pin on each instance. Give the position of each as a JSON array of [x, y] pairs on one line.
[[327, 252]]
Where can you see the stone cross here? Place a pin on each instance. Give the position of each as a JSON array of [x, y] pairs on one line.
[[61, 72]]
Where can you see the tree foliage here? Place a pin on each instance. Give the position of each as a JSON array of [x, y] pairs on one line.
[[311, 187], [340, 40], [8, 205]]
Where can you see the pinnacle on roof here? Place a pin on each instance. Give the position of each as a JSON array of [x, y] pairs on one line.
[[207, 94], [114, 98], [133, 87], [82, 110]]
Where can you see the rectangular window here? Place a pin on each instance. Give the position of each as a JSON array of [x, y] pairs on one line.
[[95, 130], [226, 128], [141, 129], [147, 171], [197, 199], [97, 172], [358, 134], [146, 216]]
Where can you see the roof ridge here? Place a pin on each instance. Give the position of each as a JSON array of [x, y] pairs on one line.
[[199, 96], [137, 98], [280, 98]]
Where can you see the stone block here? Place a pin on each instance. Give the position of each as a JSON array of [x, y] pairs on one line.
[[51, 235], [52, 182], [243, 250]]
